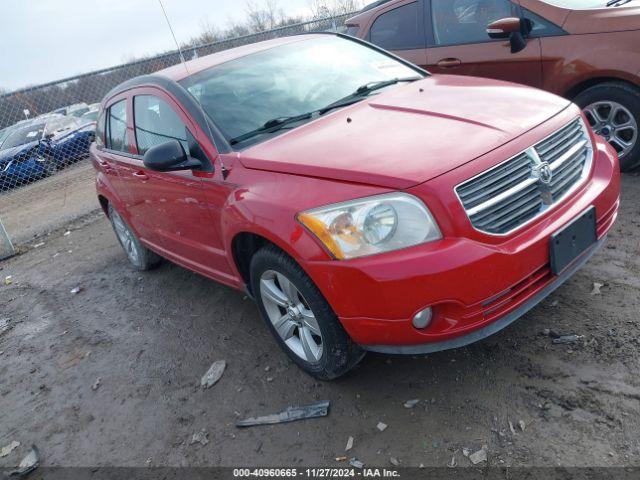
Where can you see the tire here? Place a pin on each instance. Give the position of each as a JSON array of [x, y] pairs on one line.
[[338, 353], [615, 94], [140, 257]]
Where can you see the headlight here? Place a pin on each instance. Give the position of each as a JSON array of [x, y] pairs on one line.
[[372, 225]]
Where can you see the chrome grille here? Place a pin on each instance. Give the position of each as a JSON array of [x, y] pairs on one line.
[[515, 192]]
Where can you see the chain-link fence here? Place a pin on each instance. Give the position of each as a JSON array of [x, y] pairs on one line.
[[45, 134]]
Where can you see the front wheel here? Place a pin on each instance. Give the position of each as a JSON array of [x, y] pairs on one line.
[[613, 111], [299, 317]]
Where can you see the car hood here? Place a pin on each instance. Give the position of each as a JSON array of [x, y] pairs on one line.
[[408, 134], [10, 153], [602, 20]]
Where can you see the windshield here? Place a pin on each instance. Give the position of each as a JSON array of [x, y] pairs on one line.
[[578, 4], [242, 95], [90, 116], [4, 133], [23, 135]]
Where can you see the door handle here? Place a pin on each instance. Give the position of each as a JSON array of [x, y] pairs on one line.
[[141, 175], [449, 63]]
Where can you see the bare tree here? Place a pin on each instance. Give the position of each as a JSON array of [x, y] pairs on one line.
[[264, 16], [332, 8]]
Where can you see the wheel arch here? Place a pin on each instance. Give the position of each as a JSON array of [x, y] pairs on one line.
[[244, 246], [580, 87]]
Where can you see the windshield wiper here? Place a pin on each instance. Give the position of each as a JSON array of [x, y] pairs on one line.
[[364, 90], [275, 124], [271, 126]]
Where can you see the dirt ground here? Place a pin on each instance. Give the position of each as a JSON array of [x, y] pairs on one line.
[[144, 340], [30, 210]]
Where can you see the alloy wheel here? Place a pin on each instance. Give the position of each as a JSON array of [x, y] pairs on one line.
[[615, 123], [291, 316], [126, 238]]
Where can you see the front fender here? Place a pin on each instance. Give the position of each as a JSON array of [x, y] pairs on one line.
[[268, 208]]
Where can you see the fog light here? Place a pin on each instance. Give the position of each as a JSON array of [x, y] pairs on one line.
[[422, 319]]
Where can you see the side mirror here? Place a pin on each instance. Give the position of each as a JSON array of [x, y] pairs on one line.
[[170, 157], [503, 28], [515, 29]]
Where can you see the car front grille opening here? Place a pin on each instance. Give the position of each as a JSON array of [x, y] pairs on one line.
[[504, 198]]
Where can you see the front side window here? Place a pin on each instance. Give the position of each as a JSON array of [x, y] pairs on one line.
[[241, 95], [399, 29], [117, 127], [457, 22], [156, 123]]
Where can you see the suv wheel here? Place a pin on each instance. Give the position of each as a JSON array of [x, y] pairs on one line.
[[299, 317], [140, 257], [613, 111]]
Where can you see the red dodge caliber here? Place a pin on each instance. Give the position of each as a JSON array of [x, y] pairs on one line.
[[363, 203]]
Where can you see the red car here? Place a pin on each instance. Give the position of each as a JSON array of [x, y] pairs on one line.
[[585, 50], [363, 203]]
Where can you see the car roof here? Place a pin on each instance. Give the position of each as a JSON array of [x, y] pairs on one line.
[[178, 72]]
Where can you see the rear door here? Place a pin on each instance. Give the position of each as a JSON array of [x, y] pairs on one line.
[[458, 43], [399, 28]]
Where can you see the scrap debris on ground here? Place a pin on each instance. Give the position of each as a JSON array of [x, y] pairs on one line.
[[290, 414], [214, 374]]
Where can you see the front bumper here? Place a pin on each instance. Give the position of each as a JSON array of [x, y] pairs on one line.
[[475, 284]]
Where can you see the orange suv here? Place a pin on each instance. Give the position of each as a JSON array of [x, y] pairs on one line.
[[585, 50]]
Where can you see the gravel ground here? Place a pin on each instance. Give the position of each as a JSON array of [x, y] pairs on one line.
[[110, 376]]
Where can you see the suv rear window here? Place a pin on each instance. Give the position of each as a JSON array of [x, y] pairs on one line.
[[399, 29]]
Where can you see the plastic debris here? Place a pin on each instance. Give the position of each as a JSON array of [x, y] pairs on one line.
[[213, 374], [341, 458], [28, 463], [9, 448], [466, 452], [349, 444], [513, 430], [96, 384], [355, 463], [522, 425], [382, 426], [67, 233], [453, 463], [76, 290], [411, 403], [201, 437], [8, 280], [567, 339], [479, 456], [596, 288], [394, 461], [290, 414]]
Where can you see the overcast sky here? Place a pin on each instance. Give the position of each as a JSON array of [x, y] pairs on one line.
[[44, 40]]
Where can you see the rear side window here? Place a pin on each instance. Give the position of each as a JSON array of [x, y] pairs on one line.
[[100, 131], [117, 127], [156, 123], [399, 29]]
